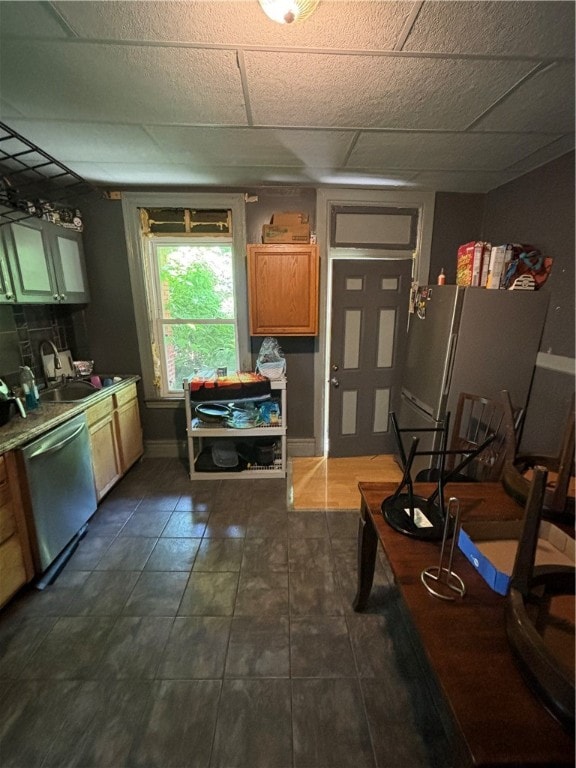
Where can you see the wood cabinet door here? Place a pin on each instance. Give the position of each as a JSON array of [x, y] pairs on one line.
[[283, 290], [105, 455], [129, 433]]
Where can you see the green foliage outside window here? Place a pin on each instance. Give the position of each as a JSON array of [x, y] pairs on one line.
[[197, 307]]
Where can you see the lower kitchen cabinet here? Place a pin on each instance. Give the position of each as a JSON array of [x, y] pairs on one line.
[[115, 436], [104, 445], [128, 428], [16, 567]]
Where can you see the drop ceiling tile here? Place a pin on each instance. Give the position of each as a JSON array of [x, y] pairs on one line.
[[443, 151], [452, 181], [29, 19], [121, 83], [252, 147], [125, 174], [544, 102], [346, 25], [524, 28], [302, 89], [550, 152], [89, 142]]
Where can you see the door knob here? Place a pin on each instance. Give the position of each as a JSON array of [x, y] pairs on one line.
[[334, 367], [334, 381]]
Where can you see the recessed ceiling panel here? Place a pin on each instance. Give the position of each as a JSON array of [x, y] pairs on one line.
[[246, 147], [69, 81], [443, 151], [374, 91], [500, 28], [545, 155], [338, 25], [455, 181], [29, 19], [167, 174], [90, 142], [552, 90]]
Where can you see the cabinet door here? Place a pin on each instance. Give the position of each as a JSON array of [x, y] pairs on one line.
[[129, 433], [30, 263], [105, 456], [15, 558], [69, 267], [7, 293], [283, 290]]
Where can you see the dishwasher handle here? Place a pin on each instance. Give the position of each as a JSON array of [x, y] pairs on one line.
[[42, 451]]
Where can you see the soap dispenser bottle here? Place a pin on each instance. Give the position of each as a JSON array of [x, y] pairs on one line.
[[29, 388]]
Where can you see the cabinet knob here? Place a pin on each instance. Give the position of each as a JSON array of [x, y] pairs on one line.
[[56, 297], [9, 297], [62, 297]]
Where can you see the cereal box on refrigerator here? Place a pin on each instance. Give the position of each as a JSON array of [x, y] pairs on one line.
[[469, 263]]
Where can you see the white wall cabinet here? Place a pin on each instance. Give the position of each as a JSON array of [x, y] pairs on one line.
[[198, 433], [45, 263]]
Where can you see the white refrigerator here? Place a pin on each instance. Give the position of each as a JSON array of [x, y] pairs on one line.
[[466, 340]]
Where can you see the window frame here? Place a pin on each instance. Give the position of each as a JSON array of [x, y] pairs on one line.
[[157, 317], [131, 202]]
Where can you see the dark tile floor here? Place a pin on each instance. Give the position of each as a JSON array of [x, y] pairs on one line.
[[205, 625]]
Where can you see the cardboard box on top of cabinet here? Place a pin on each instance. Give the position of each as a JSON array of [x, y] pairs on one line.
[[472, 263], [287, 227]]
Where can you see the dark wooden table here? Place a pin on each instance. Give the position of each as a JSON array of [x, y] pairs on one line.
[[499, 720]]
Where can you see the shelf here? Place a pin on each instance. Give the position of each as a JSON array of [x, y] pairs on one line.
[[271, 471], [201, 429], [33, 184], [197, 431]]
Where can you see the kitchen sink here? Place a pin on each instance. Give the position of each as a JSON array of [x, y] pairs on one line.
[[70, 392]]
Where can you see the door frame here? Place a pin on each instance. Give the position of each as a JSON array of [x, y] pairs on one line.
[[326, 198]]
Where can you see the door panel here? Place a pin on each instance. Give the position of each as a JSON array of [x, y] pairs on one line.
[[368, 336]]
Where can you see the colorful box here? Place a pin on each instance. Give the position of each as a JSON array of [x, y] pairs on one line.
[[490, 546], [469, 263]]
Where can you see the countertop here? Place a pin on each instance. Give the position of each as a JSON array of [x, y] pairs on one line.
[[20, 431]]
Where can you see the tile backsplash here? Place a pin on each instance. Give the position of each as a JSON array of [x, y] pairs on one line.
[[24, 326]]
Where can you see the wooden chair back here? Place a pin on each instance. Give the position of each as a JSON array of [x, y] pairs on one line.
[[476, 419], [519, 468]]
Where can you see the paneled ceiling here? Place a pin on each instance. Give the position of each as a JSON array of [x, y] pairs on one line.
[[460, 96]]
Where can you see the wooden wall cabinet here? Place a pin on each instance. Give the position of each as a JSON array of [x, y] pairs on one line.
[[115, 437], [283, 289], [16, 567]]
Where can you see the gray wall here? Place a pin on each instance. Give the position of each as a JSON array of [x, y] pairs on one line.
[[112, 326], [537, 208], [457, 220]]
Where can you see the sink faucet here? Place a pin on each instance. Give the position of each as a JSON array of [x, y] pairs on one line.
[[57, 361]]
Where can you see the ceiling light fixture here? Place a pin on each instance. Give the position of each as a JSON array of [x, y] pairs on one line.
[[288, 11]]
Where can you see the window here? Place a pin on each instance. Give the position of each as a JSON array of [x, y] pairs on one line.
[[193, 307], [188, 285]]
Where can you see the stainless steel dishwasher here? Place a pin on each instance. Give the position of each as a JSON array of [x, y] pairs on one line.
[[61, 493]]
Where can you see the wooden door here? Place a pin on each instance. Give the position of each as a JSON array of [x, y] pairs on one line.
[[369, 317]]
